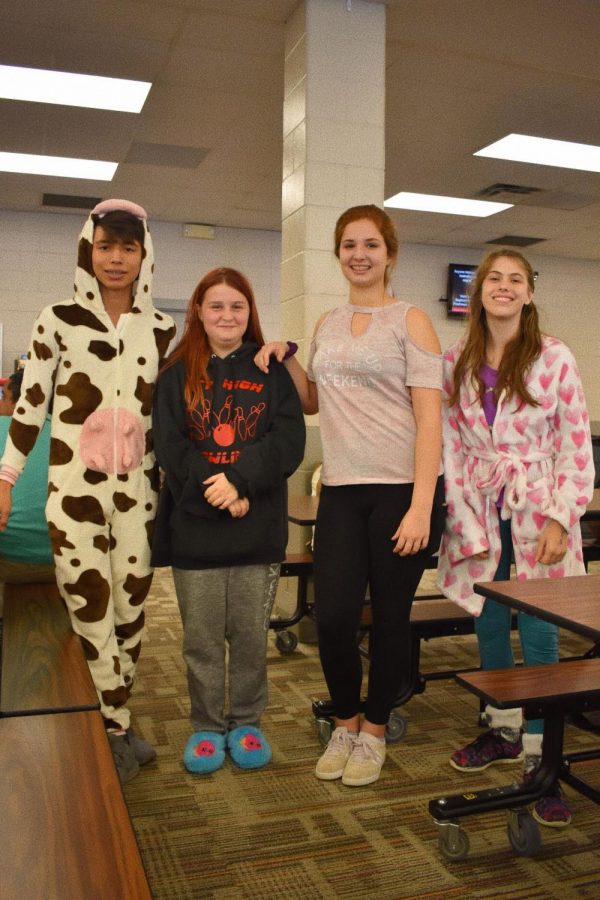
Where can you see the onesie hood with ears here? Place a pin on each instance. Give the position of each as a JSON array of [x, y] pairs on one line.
[[87, 289]]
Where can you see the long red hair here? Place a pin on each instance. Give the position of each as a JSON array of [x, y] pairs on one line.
[[194, 348]]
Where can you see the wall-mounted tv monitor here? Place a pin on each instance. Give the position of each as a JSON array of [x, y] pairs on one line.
[[460, 276]]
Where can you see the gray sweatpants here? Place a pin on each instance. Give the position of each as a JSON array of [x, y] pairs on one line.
[[226, 607]]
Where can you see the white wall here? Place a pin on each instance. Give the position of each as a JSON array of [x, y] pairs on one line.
[[38, 254]]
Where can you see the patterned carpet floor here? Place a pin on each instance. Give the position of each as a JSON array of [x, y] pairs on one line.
[[278, 832]]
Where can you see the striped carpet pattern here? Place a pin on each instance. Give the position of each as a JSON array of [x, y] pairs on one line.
[[280, 833]]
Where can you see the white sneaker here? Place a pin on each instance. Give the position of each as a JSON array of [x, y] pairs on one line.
[[365, 762], [331, 764]]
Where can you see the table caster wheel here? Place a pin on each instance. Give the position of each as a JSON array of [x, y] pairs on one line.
[[396, 728], [453, 843], [325, 730], [286, 641], [523, 833]]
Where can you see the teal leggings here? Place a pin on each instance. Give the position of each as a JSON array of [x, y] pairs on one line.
[[539, 640]]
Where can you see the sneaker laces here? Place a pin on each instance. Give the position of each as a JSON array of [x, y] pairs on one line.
[[365, 750], [339, 740]]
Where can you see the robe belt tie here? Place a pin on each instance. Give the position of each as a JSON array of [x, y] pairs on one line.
[[506, 471]]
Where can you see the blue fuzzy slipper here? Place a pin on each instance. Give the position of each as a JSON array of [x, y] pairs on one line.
[[204, 752], [249, 747]]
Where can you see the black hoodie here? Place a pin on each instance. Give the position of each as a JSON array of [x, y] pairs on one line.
[[252, 429]]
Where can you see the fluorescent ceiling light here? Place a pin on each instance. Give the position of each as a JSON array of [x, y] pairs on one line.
[[63, 166], [70, 89], [454, 206], [544, 152]]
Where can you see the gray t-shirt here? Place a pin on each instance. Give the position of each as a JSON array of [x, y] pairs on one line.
[[367, 423]]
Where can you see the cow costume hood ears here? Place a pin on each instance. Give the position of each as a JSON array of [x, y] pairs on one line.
[[87, 289]]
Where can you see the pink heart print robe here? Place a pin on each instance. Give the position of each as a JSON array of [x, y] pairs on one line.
[[541, 456]]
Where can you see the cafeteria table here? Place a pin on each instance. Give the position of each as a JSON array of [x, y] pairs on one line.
[[572, 603]]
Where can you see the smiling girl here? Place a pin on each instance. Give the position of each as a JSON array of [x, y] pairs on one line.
[[227, 437], [374, 375], [519, 474]]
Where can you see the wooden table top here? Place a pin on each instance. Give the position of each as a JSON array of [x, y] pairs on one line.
[[572, 603], [65, 831]]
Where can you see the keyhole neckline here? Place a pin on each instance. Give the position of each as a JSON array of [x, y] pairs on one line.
[[371, 309]]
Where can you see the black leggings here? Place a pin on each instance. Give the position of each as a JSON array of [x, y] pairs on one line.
[[353, 551]]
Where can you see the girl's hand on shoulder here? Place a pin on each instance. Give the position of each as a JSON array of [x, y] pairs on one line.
[[239, 507], [552, 544], [412, 534], [220, 492], [278, 349]]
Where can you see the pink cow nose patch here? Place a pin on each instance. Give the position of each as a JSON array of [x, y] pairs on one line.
[[112, 441]]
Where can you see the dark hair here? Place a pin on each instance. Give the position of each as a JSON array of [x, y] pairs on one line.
[[382, 222], [14, 384], [118, 226], [121, 225], [194, 348], [519, 354]]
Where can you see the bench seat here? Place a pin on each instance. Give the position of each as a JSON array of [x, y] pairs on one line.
[[571, 686], [297, 564], [429, 617]]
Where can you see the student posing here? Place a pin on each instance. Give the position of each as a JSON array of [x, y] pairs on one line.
[[375, 376], [519, 474], [228, 437], [96, 357]]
